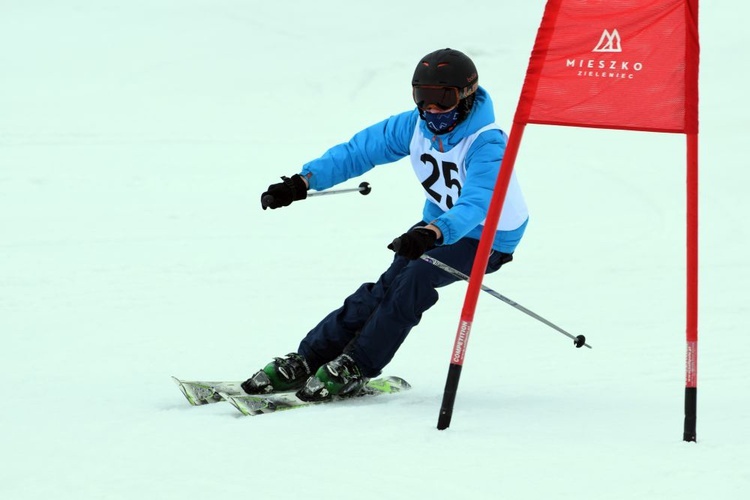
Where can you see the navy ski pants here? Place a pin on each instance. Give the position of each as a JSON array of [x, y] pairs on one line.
[[374, 321]]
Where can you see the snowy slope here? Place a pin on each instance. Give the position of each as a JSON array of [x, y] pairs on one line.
[[135, 140]]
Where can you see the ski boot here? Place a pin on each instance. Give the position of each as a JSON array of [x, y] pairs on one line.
[[282, 374], [340, 377]]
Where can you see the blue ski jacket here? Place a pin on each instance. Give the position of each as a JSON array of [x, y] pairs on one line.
[[389, 141]]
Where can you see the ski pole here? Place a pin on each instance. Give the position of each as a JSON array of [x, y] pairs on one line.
[[364, 189], [578, 340]]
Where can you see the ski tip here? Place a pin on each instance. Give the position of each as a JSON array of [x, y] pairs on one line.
[[187, 393], [225, 396], [250, 408], [229, 399]]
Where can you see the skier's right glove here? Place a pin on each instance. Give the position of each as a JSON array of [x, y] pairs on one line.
[[414, 243], [284, 193]]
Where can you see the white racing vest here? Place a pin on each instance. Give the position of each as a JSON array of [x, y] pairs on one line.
[[443, 175]]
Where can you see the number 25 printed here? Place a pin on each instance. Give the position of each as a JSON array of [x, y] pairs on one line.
[[448, 170]]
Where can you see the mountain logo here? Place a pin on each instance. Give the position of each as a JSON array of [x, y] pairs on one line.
[[609, 42]]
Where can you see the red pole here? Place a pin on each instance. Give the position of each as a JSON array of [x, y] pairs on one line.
[[477, 274], [691, 324]]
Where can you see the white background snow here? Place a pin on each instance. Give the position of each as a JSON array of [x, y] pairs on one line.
[[135, 140]]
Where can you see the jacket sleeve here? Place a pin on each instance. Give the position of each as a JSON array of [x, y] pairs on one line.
[[384, 142], [482, 166]]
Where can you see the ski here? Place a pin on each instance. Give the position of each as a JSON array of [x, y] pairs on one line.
[[270, 403], [200, 393]]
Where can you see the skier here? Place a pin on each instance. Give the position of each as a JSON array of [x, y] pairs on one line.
[[456, 150]]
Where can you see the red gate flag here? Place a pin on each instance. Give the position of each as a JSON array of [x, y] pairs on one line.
[[619, 64], [625, 64]]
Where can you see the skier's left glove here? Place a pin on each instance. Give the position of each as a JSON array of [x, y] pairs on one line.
[[414, 243], [284, 193]]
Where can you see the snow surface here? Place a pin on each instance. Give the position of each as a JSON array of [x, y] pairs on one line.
[[135, 140]]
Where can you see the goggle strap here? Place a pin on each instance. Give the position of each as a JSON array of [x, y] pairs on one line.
[[467, 91]]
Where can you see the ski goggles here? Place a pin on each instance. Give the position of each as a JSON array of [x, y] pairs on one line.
[[444, 98]]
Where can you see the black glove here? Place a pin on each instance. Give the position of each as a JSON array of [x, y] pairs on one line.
[[414, 243], [284, 193]]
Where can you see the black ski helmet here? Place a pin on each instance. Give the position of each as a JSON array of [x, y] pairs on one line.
[[447, 68]]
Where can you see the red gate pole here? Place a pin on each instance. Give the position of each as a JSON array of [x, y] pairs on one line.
[[477, 274], [691, 324]]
